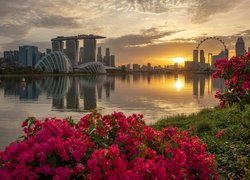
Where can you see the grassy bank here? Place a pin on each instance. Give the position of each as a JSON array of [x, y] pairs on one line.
[[232, 148]]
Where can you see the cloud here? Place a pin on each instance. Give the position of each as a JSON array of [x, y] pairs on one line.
[[203, 9], [151, 6], [18, 18], [200, 10], [145, 38]]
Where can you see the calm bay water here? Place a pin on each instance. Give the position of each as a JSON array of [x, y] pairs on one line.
[[155, 96]]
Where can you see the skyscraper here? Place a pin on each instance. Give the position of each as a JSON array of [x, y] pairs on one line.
[[81, 55], [240, 47], [72, 51], [99, 55], [107, 57], [28, 56], [202, 57], [195, 55], [48, 51], [112, 61], [89, 50], [57, 45]]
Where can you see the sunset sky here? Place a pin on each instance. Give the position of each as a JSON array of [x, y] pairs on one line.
[[137, 31]]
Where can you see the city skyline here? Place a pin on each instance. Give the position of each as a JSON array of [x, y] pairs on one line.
[[136, 31]]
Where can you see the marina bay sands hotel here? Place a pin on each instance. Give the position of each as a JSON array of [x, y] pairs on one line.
[[84, 55]]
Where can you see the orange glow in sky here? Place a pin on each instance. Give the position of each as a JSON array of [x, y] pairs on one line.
[[179, 60]]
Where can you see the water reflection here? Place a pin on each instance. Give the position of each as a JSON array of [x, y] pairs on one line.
[[78, 93]]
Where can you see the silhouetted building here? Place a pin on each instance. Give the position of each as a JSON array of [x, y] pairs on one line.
[[107, 57], [81, 55], [89, 50], [28, 56], [11, 57], [240, 47], [202, 57], [189, 65], [136, 67], [222, 54], [48, 51], [57, 45], [112, 61], [195, 55], [99, 55], [71, 51], [128, 67]]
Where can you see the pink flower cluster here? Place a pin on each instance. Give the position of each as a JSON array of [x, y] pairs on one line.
[[236, 72], [105, 147]]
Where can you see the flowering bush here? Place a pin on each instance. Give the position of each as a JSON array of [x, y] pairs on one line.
[[236, 72], [106, 147]]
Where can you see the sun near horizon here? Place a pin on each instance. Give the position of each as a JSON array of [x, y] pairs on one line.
[[179, 60]]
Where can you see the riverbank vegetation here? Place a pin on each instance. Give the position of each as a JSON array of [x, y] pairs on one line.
[[226, 133]]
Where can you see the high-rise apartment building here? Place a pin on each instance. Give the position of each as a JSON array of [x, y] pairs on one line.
[[195, 55], [202, 57], [89, 50], [112, 61], [99, 55], [107, 57], [11, 57], [28, 56], [240, 47]]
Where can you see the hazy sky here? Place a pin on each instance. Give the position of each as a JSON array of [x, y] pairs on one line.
[[137, 31]]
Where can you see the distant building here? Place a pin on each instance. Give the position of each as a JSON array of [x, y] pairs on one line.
[[107, 57], [240, 47], [222, 54], [81, 55], [11, 57], [136, 67], [195, 56], [48, 51], [202, 57], [57, 45], [99, 55], [149, 67], [89, 50], [28, 56], [189, 65], [71, 51], [112, 61], [175, 65], [128, 67], [40, 54]]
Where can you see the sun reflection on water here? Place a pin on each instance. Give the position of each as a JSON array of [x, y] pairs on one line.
[[179, 84]]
